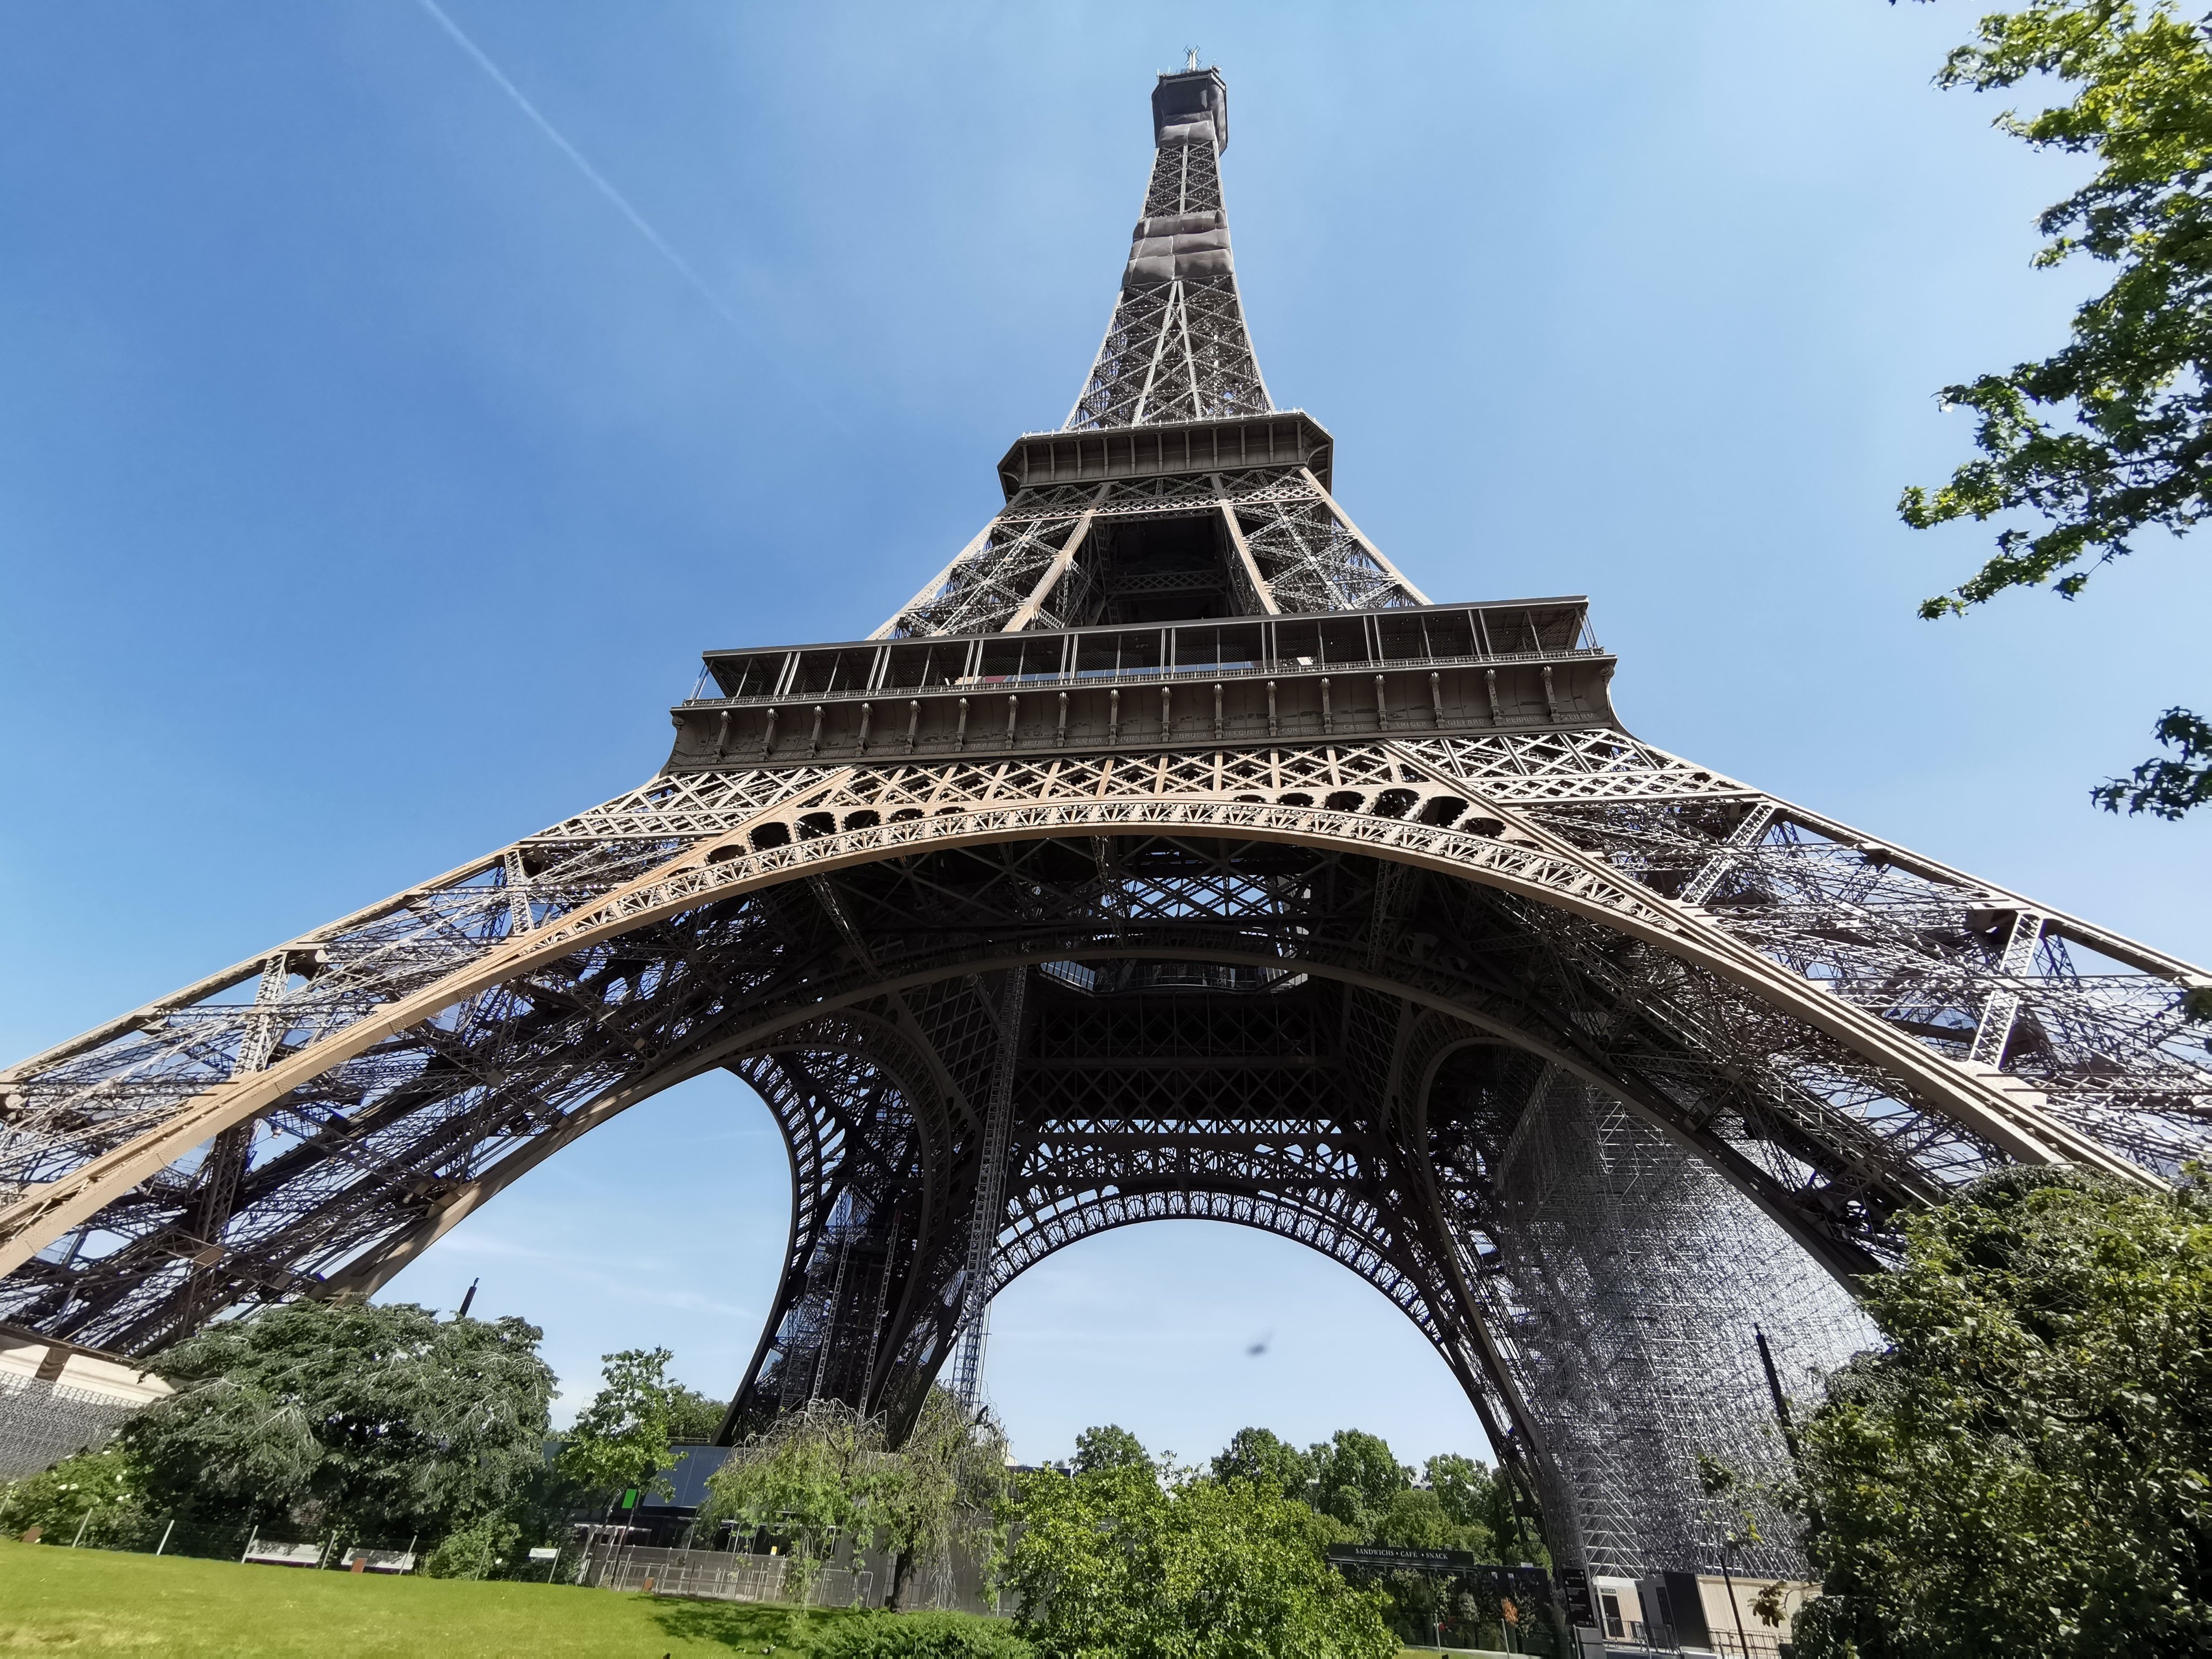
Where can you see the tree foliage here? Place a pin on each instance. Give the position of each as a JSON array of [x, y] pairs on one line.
[[383, 1422], [1126, 1561], [694, 1418], [943, 1487], [1265, 1459], [1459, 1505], [1355, 1479], [2111, 436], [2023, 1469], [920, 1636], [814, 1476], [1129, 1542], [621, 1440], [1112, 1447], [1475, 1495], [2167, 786], [1419, 1518]]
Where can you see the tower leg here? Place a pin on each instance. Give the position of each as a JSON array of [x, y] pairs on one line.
[[1642, 1280]]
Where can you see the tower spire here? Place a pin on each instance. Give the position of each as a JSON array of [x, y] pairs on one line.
[[1176, 347]]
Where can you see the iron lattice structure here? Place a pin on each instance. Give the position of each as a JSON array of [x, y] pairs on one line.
[[1167, 855]]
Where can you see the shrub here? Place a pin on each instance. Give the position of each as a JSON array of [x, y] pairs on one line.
[[107, 1487], [478, 1550], [922, 1636], [1121, 1561]]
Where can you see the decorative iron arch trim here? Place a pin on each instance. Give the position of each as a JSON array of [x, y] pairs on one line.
[[781, 1031], [1478, 1368], [1533, 865]]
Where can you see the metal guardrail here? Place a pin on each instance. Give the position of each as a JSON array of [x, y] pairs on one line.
[[1045, 681]]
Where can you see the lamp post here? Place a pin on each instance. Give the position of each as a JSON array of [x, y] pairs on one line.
[[1729, 1541]]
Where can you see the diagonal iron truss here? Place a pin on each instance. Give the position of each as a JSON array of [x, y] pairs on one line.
[[1291, 549], [1169, 855]]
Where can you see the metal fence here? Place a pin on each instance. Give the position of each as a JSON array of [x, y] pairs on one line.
[[1751, 1644], [1642, 1640], [42, 1422], [605, 1563], [721, 1576]]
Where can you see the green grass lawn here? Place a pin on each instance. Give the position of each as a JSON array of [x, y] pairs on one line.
[[55, 1601]]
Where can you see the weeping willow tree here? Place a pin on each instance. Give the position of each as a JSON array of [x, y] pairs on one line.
[[946, 1494], [826, 1472]]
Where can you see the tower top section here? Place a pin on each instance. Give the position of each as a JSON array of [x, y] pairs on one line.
[[1186, 102], [1175, 347], [1175, 492]]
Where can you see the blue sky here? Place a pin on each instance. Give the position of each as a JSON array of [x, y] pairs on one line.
[[369, 485]]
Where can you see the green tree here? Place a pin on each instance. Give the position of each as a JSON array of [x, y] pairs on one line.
[[2111, 436], [1419, 1518], [820, 1475], [1355, 1477], [1416, 1520], [1370, 1498], [1111, 1446], [941, 1489], [482, 1549], [814, 1475], [1476, 1494], [378, 1422], [2023, 1468], [694, 1418], [1117, 1561], [1264, 1459], [621, 1440]]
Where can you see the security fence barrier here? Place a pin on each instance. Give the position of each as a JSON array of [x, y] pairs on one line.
[[42, 1422], [723, 1576]]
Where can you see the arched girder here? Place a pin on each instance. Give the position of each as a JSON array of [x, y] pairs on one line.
[[725, 948], [794, 1020], [804, 1030], [1441, 996], [1343, 1239], [1532, 866], [1455, 1332]]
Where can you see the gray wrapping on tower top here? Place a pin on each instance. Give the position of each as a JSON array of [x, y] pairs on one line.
[[1190, 108]]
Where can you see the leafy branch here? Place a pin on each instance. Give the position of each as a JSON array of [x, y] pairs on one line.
[[2111, 436]]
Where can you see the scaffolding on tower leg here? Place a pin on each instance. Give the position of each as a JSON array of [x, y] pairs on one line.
[[1634, 1282]]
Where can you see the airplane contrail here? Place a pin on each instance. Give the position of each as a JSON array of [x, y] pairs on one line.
[[599, 180]]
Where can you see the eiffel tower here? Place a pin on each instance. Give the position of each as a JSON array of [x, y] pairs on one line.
[[1169, 854]]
